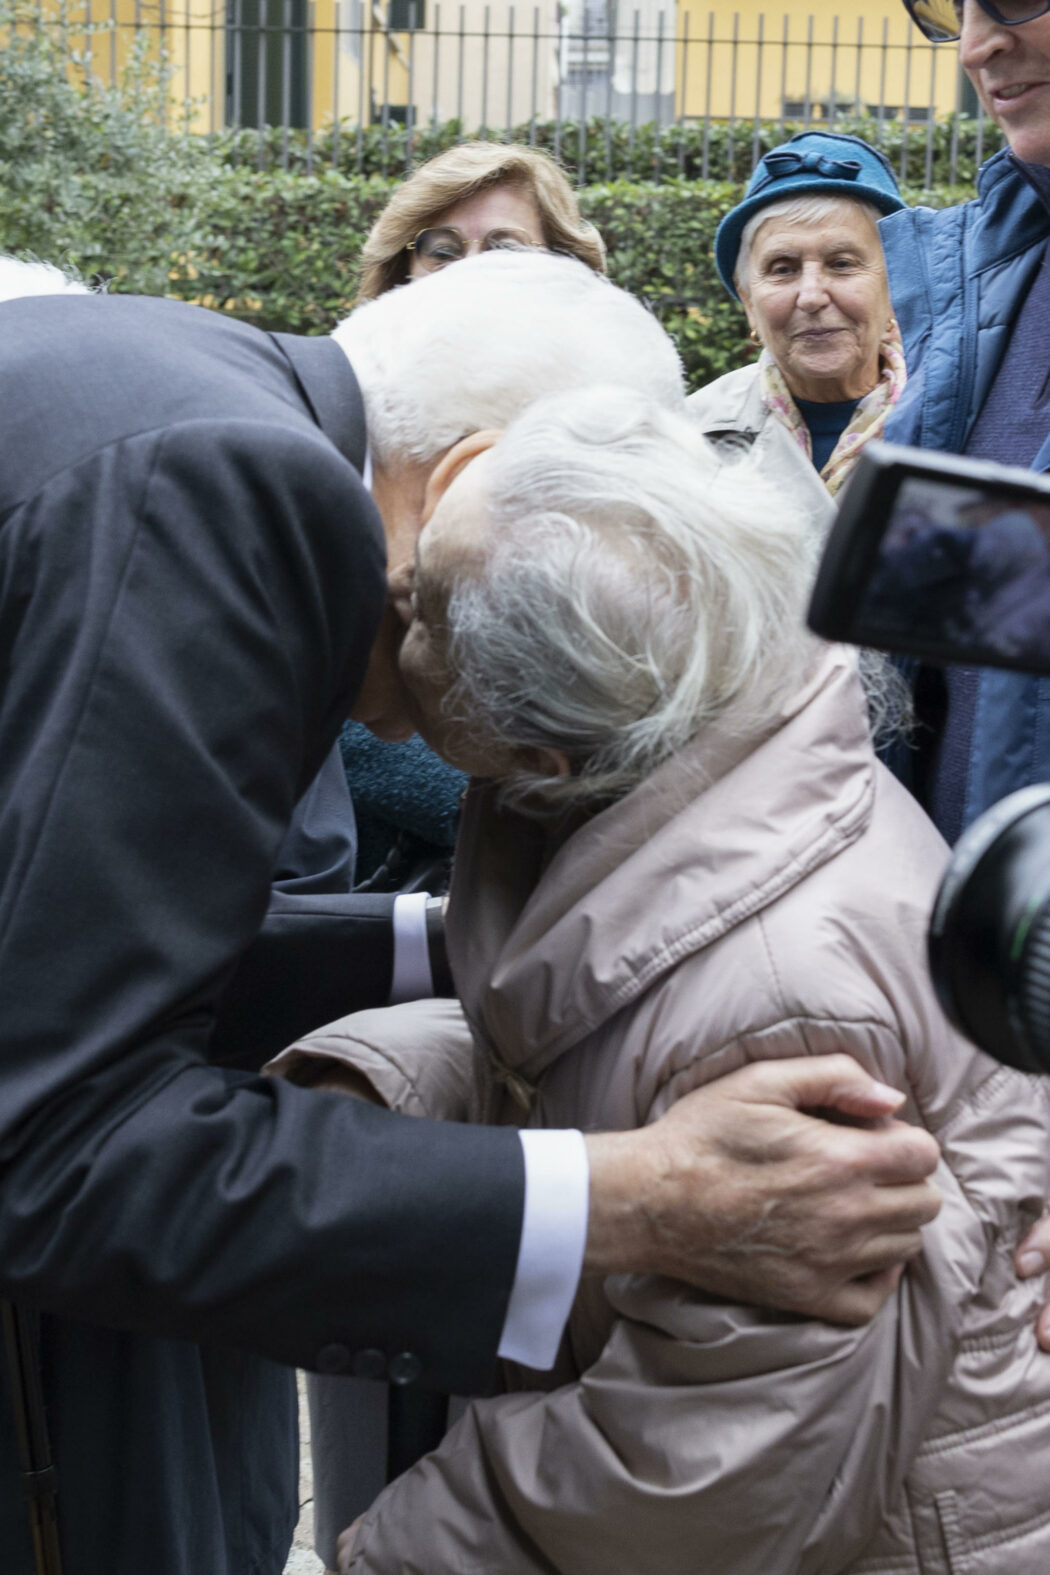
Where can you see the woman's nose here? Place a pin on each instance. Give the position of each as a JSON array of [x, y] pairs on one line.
[[812, 288]]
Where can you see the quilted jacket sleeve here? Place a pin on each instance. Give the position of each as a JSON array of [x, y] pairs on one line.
[[705, 1436], [416, 1058]]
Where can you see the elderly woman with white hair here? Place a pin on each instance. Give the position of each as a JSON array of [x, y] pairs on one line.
[[802, 254], [679, 855]]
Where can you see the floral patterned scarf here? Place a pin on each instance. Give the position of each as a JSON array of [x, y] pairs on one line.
[[867, 420]]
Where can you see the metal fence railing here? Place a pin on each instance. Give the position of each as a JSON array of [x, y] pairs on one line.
[[703, 89]]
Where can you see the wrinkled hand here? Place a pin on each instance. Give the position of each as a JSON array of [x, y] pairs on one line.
[[345, 1546], [1033, 1257], [740, 1192]]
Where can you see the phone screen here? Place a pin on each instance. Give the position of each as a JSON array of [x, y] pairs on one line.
[[962, 574]]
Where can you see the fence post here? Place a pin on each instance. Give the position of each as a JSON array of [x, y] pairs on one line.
[[336, 15], [286, 81], [437, 47], [953, 154], [236, 45], [682, 93], [535, 69], [610, 45], [581, 122], [705, 154], [260, 84], [906, 129], [410, 106], [658, 93], [485, 75], [560, 96], [384, 119], [930, 120], [459, 83], [510, 76], [756, 139], [359, 150], [634, 86], [731, 138], [187, 96], [213, 75], [880, 126], [308, 28]]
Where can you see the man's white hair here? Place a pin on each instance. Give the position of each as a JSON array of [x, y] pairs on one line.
[[813, 210], [471, 346], [633, 591], [18, 279]]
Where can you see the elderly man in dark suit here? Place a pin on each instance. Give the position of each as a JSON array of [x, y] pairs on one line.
[[192, 585]]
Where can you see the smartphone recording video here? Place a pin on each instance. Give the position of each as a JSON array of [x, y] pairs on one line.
[[940, 558]]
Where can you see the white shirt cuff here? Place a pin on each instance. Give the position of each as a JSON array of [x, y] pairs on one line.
[[411, 979], [553, 1237]]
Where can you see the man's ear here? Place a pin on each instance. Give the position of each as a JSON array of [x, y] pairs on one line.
[[546, 762], [451, 463]]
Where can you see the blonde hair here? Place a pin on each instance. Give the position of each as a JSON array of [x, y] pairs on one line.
[[462, 172]]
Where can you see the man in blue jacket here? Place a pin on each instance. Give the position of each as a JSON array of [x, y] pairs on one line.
[[971, 290]]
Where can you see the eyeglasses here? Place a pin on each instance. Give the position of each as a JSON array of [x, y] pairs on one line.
[[438, 247], [941, 20]]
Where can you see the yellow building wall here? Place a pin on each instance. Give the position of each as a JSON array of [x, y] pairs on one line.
[[872, 54], [194, 35]]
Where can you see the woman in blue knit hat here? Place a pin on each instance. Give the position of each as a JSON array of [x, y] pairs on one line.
[[802, 254]]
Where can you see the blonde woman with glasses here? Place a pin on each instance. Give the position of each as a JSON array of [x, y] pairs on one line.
[[479, 196]]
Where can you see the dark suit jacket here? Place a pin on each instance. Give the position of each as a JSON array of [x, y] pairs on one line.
[[190, 577], [323, 950]]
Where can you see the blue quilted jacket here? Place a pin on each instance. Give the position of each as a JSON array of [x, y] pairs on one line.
[[958, 277]]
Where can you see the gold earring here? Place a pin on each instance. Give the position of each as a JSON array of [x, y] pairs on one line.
[[755, 337]]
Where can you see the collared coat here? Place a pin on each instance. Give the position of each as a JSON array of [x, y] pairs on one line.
[[751, 900], [733, 417]]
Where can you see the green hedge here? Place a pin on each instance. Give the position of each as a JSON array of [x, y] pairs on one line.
[[281, 249], [611, 151]]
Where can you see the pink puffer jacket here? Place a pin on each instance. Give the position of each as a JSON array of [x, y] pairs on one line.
[[745, 902]]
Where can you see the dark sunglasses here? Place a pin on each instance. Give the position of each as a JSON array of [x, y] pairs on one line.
[[941, 20], [438, 247]]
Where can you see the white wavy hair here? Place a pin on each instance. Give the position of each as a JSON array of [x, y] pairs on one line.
[[19, 279], [633, 591], [471, 346], [814, 210]]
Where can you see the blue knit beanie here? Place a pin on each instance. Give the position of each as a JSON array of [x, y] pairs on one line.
[[817, 162]]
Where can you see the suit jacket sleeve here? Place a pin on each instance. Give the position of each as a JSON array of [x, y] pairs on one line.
[[322, 952], [183, 618]]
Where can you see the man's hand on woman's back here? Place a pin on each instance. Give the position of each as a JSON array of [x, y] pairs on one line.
[[741, 1192]]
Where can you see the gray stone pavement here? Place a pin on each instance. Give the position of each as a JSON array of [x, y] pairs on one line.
[[302, 1560]]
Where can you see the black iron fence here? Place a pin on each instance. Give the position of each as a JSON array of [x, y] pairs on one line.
[[375, 84]]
